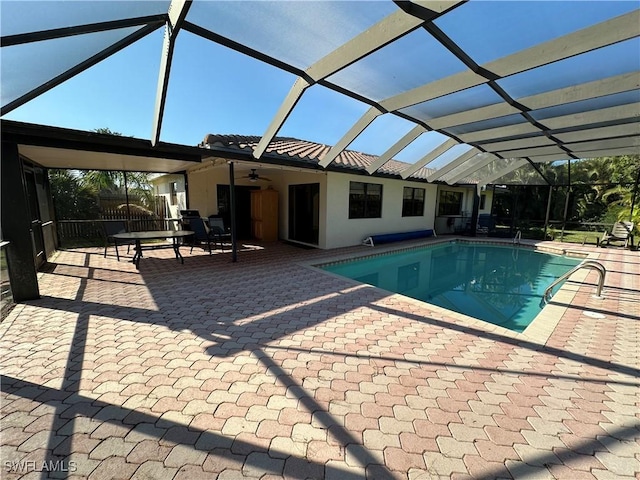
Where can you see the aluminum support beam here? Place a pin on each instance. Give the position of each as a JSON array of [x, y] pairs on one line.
[[477, 114], [396, 148], [500, 173], [597, 36], [583, 91], [574, 93], [54, 33], [437, 6], [625, 130], [428, 158], [453, 164], [178, 10], [369, 116], [439, 88], [525, 152], [384, 32], [464, 173], [611, 114], [611, 143], [493, 134], [538, 141], [601, 35], [549, 158], [284, 111], [609, 152]]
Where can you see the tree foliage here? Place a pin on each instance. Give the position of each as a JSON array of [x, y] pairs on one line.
[[113, 182], [601, 188], [77, 193], [72, 200]]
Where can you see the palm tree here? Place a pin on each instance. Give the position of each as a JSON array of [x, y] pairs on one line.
[[118, 182]]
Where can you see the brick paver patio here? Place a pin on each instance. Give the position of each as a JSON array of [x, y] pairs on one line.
[[270, 369]]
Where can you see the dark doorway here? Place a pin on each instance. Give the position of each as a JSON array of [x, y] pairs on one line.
[[304, 213], [243, 209]]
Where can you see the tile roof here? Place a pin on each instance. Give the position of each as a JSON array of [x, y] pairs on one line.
[[306, 152]]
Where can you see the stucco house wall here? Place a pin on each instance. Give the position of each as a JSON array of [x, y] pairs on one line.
[[162, 188], [203, 195], [289, 161], [336, 228], [487, 202], [342, 231]]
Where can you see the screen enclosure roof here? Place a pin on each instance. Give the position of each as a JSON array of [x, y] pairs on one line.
[[487, 87]]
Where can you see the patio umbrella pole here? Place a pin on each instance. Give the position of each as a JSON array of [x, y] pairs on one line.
[[232, 206]]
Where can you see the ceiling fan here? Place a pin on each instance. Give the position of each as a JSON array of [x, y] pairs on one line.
[[254, 177]]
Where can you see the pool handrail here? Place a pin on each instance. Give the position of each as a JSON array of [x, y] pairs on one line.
[[517, 238], [586, 264]]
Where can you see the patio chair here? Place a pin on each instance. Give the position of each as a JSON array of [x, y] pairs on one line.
[[185, 216], [200, 233], [110, 229], [485, 224], [620, 232], [216, 228]]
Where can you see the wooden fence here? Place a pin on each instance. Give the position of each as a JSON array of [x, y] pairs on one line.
[[111, 209], [94, 229]]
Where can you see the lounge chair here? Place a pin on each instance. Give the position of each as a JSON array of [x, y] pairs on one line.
[[110, 229], [620, 232]]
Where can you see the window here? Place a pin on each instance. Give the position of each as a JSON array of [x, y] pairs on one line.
[[413, 202], [174, 193], [450, 203], [483, 199], [365, 200]]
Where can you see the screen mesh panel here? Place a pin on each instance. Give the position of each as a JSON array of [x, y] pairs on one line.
[[595, 65], [316, 112], [47, 15], [407, 63], [298, 33], [27, 66], [488, 31], [524, 175], [467, 99]]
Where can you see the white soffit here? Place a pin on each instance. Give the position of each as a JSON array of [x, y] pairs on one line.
[[50, 157]]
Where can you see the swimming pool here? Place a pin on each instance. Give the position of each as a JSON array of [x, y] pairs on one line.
[[502, 285]]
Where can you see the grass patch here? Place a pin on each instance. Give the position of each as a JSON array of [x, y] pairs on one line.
[[577, 236]]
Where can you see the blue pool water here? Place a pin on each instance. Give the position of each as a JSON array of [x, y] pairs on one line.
[[500, 285]]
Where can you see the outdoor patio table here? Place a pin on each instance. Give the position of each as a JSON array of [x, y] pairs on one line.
[[177, 236]]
